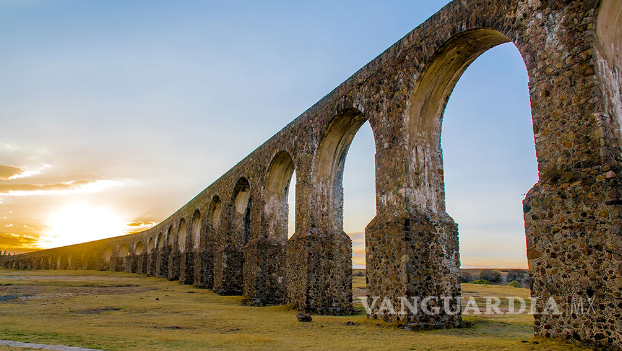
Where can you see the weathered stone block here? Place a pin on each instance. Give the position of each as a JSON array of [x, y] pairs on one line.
[[186, 268], [204, 270], [174, 260], [264, 272], [414, 255], [319, 272], [228, 267]]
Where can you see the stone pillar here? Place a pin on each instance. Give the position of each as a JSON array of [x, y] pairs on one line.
[[116, 264], [129, 263], [204, 269], [319, 272], [574, 247], [186, 270], [264, 272], [144, 263], [174, 259], [228, 268], [162, 263], [153, 261], [414, 256]]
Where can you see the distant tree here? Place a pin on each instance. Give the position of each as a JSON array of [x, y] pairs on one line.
[[466, 277], [517, 275], [490, 275], [481, 281], [515, 284]]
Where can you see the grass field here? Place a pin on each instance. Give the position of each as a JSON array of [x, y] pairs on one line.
[[122, 311]]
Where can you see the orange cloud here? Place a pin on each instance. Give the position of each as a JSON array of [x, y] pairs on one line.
[[79, 186], [8, 172], [12, 241], [139, 226]]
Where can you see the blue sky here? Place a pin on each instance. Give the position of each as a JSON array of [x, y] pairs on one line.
[[134, 107]]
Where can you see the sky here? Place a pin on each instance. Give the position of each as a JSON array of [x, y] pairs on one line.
[[114, 114]]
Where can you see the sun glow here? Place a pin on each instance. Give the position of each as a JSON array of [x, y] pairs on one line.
[[81, 223]]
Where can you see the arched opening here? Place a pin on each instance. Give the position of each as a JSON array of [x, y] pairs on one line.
[[291, 203], [196, 229], [139, 248], [170, 238], [150, 245], [331, 162], [160, 242], [277, 186], [215, 209], [181, 235], [487, 161], [240, 226], [349, 191], [485, 186], [124, 250], [107, 254], [359, 193]]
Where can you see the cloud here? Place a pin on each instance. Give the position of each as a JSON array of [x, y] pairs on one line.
[[8, 147], [139, 226], [14, 241], [12, 172], [76, 186], [8, 172]]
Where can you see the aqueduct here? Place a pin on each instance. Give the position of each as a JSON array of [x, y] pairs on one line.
[[232, 237]]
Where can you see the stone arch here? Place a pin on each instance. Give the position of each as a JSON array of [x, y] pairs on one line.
[[277, 182], [107, 254], [182, 232], [160, 241], [170, 238], [214, 211], [150, 245], [241, 210], [124, 250], [427, 106], [139, 248], [329, 165], [196, 229]]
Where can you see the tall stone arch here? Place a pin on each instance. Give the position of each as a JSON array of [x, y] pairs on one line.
[[229, 259], [264, 256]]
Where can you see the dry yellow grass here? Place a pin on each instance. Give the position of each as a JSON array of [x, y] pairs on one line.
[[121, 311]]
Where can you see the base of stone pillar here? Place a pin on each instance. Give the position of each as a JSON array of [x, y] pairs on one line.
[[204, 270], [174, 259], [265, 282], [414, 258], [228, 266], [153, 261], [574, 248], [162, 263], [186, 268], [319, 272]]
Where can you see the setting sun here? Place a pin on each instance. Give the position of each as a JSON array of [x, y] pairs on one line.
[[81, 223]]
